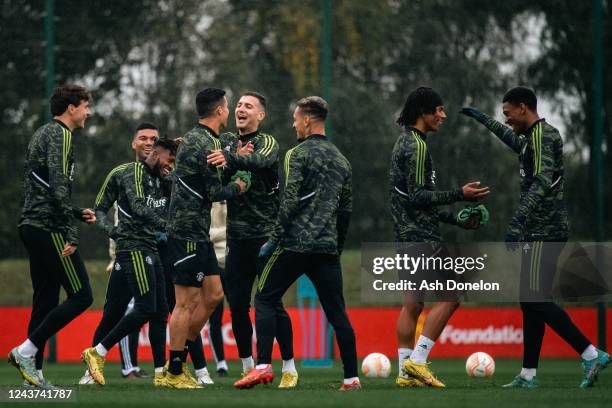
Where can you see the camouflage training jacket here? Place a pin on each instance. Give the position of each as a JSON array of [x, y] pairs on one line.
[[141, 205], [252, 215], [195, 186], [316, 202], [541, 214], [49, 172], [414, 199]]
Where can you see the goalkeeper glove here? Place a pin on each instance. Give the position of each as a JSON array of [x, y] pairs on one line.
[[245, 176], [473, 113], [479, 212]]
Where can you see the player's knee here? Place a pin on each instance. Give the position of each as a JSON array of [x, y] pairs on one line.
[[414, 309], [84, 298]]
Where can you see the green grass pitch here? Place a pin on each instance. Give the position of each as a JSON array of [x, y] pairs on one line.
[[558, 379]]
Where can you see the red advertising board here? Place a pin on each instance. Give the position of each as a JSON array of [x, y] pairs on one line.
[[497, 331]]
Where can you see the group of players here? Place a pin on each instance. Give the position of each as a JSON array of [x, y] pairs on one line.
[[165, 260]]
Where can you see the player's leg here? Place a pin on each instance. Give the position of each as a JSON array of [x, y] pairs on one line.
[[45, 285], [128, 349], [326, 276], [211, 294], [280, 271], [118, 295], [70, 272], [533, 323], [240, 272], [593, 360], [159, 320], [140, 275], [216, 337], [406, 330]]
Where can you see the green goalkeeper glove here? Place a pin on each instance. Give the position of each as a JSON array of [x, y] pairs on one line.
[[245, 176], [480, 212]]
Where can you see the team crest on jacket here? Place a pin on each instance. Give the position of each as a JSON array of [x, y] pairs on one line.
[[117, 266], [433, 177], [149, 260], [200, 276]]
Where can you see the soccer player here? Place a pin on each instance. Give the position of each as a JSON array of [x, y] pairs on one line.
[[142, 143], [416, 217], [137, 273], [250, 221], [540, 222], [47, 229], [196, 185], [308, 238]]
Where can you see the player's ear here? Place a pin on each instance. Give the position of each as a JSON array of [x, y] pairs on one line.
[[261, 115]]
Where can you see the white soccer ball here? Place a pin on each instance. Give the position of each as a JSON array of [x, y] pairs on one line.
[[376, 365], [480, 365]]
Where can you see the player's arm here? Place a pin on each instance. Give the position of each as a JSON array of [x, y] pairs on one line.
[[133, 186], [414, 188], [290, 198], [58, 153], [447, 217], [104, 201], [345, 209], [542, 182], [503, 132]]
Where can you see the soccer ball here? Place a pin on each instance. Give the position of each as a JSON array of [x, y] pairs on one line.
[[480, 365], [376, 365]]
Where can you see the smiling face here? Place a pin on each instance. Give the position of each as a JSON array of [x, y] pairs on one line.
[[143, 142], [248, 114], [433, 121], [516, 116], [78, 114]]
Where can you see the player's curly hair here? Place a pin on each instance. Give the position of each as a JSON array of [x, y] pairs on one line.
[[420, 101], [166, 143]]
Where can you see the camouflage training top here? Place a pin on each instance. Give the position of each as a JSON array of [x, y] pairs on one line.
[[195, 186], [49, 172], [316, 202], [541, 214], [414, 199], [141, 205], [252, 215]]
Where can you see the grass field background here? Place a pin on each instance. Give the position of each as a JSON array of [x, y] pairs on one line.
[[558, 379]]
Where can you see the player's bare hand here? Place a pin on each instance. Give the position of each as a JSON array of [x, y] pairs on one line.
[[89, 216], [241, 184], [244, 150], [69, 249], [473, 192], [178, 140], [216, 158]]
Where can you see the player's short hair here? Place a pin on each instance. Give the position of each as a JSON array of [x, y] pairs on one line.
[[166, 143], [522, 94], [66, 95], [314, 106], [262, 99], [208, 100], [420, 101], [146, 125]]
